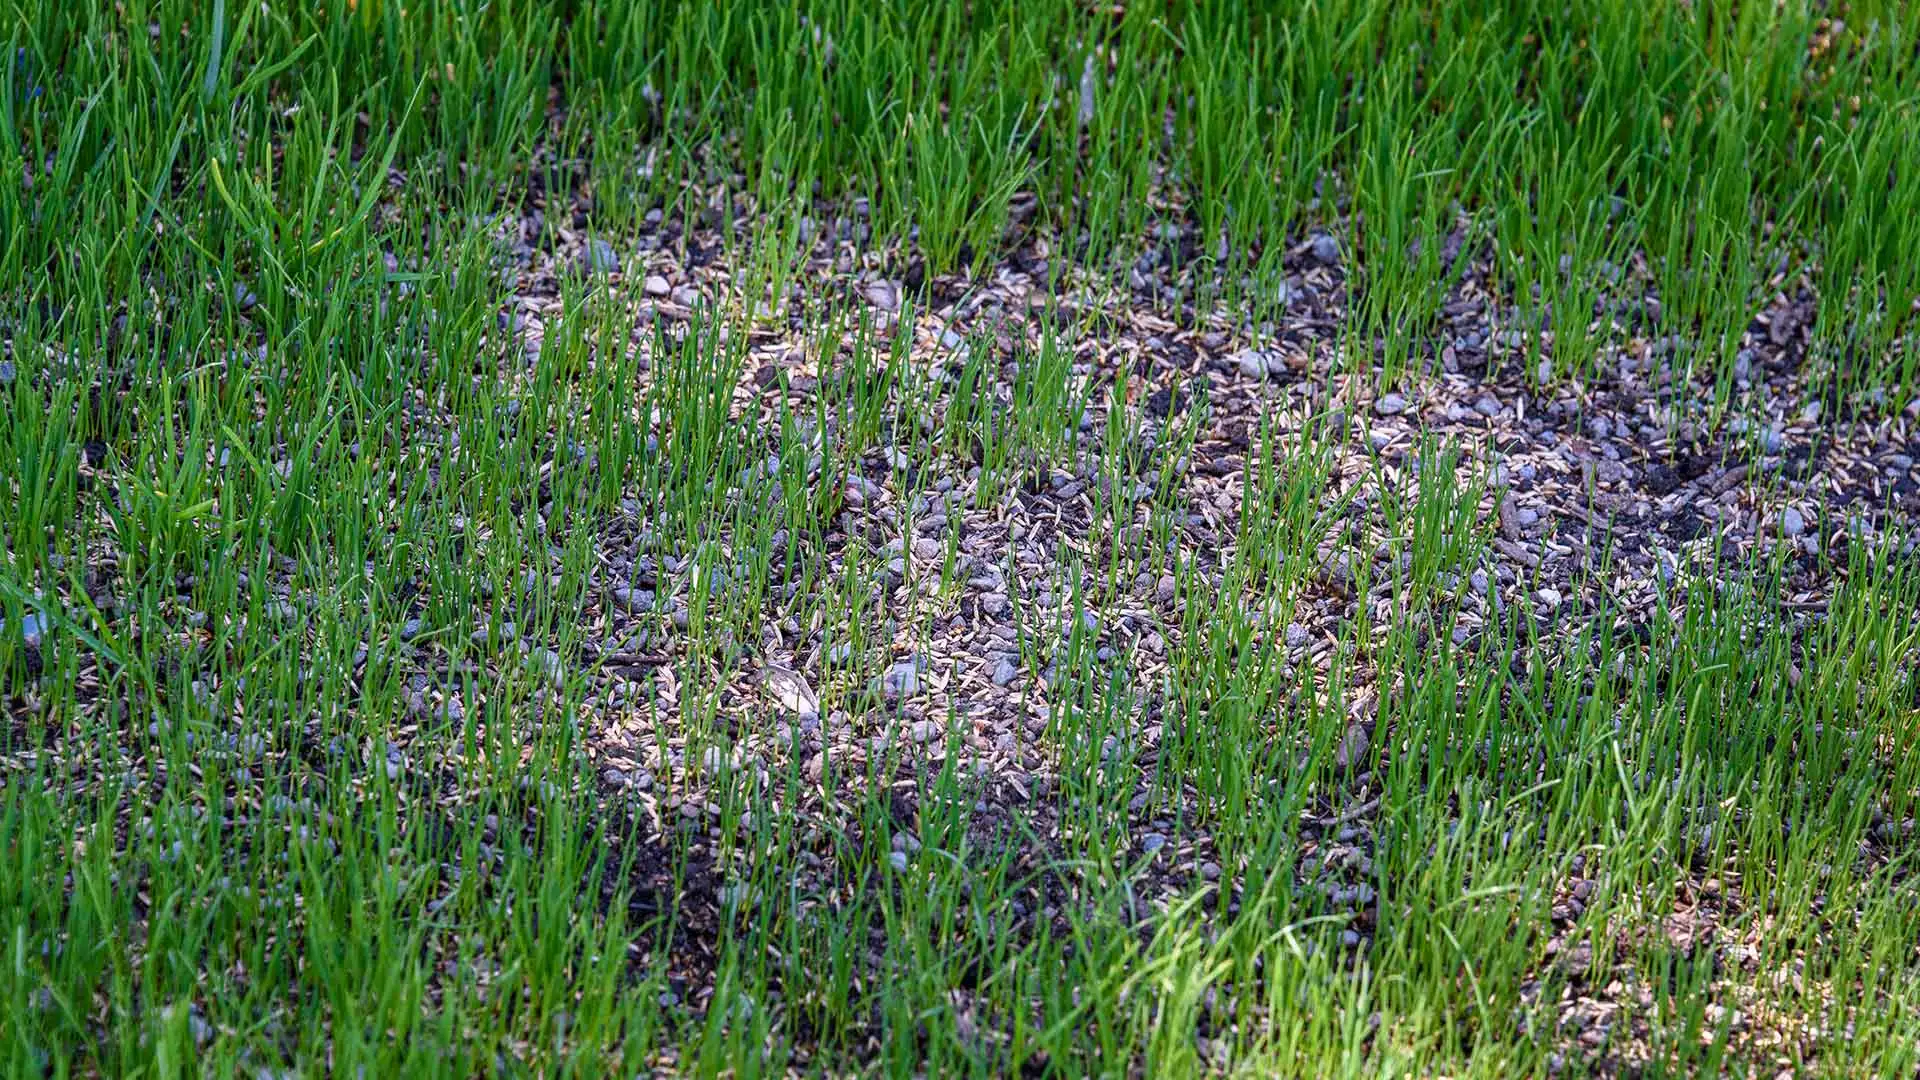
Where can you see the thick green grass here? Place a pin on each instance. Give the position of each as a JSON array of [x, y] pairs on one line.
[[259, 415], [1730, 145]]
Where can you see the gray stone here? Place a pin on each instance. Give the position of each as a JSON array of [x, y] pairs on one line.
[[1256, 363], [547, 662], [32, 630], [1390, 404], [1353, 746], [1792, 522], [1326, 249], [1005, 672], [902, 680], [500, 634], [883, 295], [1352, 896], [598, 257], [628, 598]]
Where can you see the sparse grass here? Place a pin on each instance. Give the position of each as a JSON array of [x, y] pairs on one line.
[[358, 521]]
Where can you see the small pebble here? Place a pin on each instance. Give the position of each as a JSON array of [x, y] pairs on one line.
[[31, 630], [1256, 363], [599, 257], [631, 599], [902, 680], [881, 294]]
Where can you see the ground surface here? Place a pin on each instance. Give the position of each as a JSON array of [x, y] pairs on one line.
[[541, 542]]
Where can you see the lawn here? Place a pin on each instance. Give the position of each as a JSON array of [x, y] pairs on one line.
[[896, 537]]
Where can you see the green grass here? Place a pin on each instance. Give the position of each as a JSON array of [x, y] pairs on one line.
[[270, 456]]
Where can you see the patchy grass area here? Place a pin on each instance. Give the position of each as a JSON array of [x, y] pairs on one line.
[[961, 539]]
